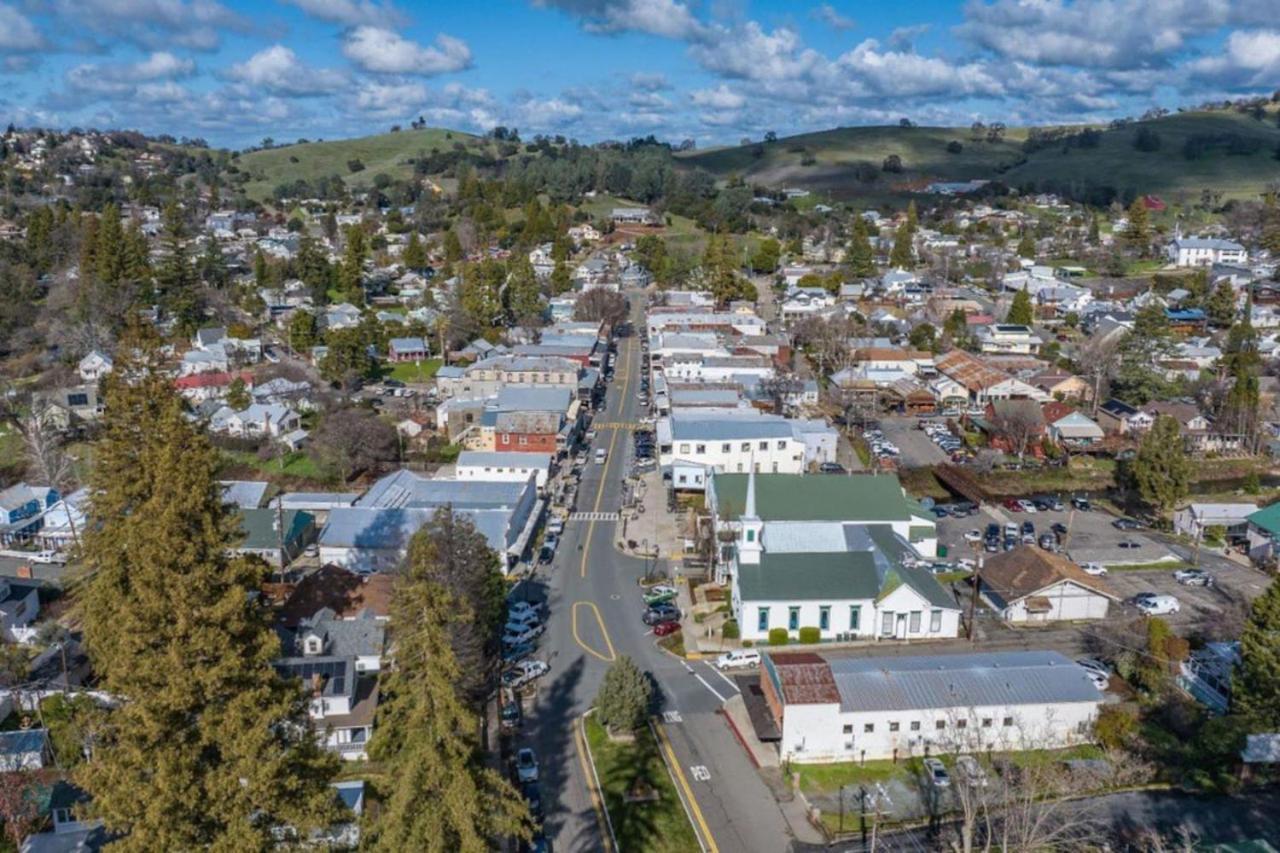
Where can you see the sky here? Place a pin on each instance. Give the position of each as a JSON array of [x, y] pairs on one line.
[[236, 71]]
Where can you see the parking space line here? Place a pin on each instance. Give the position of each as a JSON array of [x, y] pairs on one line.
[[727, 679]]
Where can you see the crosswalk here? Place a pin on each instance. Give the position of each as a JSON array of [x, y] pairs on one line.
[[593, 516]]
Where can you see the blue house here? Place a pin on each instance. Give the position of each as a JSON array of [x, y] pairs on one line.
[[22, 511]]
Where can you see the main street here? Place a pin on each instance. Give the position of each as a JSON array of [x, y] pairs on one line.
[[594, 617]]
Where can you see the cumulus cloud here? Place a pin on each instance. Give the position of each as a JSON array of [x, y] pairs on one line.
[[192, 24], [719, 98], [1251, 59], [17, 33], [666, 18], [389, 101], [156, 73], [351, 12], [385, 52], [278, 71], [904, 38], [827, 14], [650, 82]]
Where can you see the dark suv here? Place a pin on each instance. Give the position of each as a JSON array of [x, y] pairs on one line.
[[661, 613]]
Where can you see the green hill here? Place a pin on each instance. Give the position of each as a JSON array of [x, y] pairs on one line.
[[386, 152], [846, 163]]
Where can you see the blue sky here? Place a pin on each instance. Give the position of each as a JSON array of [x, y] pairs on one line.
[[236, 71]]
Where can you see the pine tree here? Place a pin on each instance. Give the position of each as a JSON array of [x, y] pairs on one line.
[[304, 331], [902, 256], [913, 218], [176, 282], [1027, 246], [524, 296], [1138, 234], [261, 272], [415, 253], [210, 748], [109, 254], [452, 247], [1020, 310], [313, 268], [351, 273], [435, 793], [1094, 237], [1161, 468], [1221, 305], [859, 257], [1255, 687], [622, 704], [212, 266], [561, 279]]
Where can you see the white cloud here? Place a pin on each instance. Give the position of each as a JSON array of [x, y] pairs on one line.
[[385, 52], [193, 24], [1250, 59], [389, 100], [17, 33], [351, 12], [124, 79], [666, 18], [827, 14], [904, 38], [650, 82], [719, 98], [278, 71], [901, 73]]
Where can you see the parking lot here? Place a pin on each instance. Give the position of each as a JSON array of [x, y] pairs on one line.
[[914, 446], [1093, 538]]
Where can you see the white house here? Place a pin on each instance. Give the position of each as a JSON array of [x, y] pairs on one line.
[[1008, 338], [509, 467], [734, 440], [1205, 252], [94, 366], [19, 607], [1193, 519], [258, 419], [852, 709], [1028, 584]]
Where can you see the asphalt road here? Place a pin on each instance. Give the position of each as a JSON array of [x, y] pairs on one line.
[[594, 618]]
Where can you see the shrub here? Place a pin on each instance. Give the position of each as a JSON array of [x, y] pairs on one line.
[[954, 147], [730, 630], [778, 637], [1115, 726], [1146, 140], [810, 635]]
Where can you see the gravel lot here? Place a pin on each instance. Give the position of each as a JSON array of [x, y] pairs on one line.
[[917, 450]]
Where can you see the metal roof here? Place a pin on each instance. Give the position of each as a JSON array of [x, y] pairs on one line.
[[404, 488], [700, 427], [503, 460], [819, 497], [246, 494], [964, 680]]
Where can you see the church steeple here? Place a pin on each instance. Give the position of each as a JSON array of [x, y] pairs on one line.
[[749, 544]]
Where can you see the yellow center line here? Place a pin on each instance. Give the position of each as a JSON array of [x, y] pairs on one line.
[[608, 463], [603, 631], [684, 784]]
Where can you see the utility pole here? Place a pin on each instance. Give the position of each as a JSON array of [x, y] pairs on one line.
[[973, 602]]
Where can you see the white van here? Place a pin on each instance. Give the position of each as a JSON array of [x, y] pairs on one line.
[[601, 455], [738, 659]]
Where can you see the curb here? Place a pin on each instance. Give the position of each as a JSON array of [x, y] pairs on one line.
[[737, 733], [593, 783]]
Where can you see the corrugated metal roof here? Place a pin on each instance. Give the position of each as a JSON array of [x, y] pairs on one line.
[[469, 458], [405, 488], [965, 680], [722, 427]]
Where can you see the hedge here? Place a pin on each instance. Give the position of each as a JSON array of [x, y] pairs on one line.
[[778, 637], [730, 630], [810, 635]]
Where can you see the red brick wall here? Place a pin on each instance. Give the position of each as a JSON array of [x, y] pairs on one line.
[[534, 442]]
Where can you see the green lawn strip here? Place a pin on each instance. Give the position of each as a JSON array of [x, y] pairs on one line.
[[409, 371], [660, 826], [830, 778], [296, 464]]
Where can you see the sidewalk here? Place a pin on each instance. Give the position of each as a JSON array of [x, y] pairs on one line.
[[648, 524]]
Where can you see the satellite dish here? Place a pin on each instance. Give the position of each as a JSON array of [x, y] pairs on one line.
[[927, 503]]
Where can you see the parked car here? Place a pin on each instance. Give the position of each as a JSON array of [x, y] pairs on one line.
[[1081, 504], [1095, 666], [1126, 524], [832, 468], [1027, 506], [518, 652], [527, 765], [1156, 605], [973, 536], [1012, 505], [48, 557], [1048, 542], [1101, 682], [533, 796], [1128, 544], [523, 672], [661, 613], [601, 455], [510, 718], [659, 594], [1059, 528], [937, 773], [590, 436], [555, 525], [1193, 577], [519, 608], [968, 769], [738, 659], [1096, 569], [662, 629], [514, 635]]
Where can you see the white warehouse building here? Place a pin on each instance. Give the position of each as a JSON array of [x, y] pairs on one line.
[[855, 708]]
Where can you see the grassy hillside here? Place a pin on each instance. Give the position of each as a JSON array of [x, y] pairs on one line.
[[828, 161], [387, 152]]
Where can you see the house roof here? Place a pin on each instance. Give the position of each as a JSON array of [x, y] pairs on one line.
[[23, 742], [797, 497], [970, 372], [469, 458], [1027, 570], [921, 682], [803, 678], [259, 528], [246, 494], [1268, 519], [342, 592]]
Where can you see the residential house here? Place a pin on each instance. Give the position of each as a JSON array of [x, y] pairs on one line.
[[25, 749], [1195, 519], [22, 509], [19, 607], [407, 349], [94, 366], [966, 377], [1117, 417], [345, 594], [199, 387], [65, 408], [508, 466], [893, 708], [1008, 338], [63, 522], [632, 215], [1075, 429], [1060, 385], [1030, 585], [344, 315], [1205, 252], [276, 543], [1263, 534], [256, 421]]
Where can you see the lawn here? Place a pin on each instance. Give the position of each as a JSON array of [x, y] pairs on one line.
[[830, 778], [414, 371], [660, 826], [296, 464]]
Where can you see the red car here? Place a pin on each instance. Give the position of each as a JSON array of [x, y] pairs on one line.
[[662, 629], [1012, 505]]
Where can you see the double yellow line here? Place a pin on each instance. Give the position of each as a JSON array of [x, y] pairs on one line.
[[608, 464], [709, 843]]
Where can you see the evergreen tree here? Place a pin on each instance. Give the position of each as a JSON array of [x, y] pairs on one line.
[[312, 267], [88, 250], [210, 747], [136, 259], [622, 704], [109, 252], [415, 253], [304, 331], [435, 793], [177, 284], [1161, 468], [480, 292], [766, 256], [1255, 686], [1136, 380], [524, 296], [452, 247], [902, 256], [238, 395], [212, 266], [913, 218], [561, 279], [261, 273], [351, 273], [1221, 305], [1094, 237], [1020, 310], [1027, 246], [1138, 234], [859, 257]]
